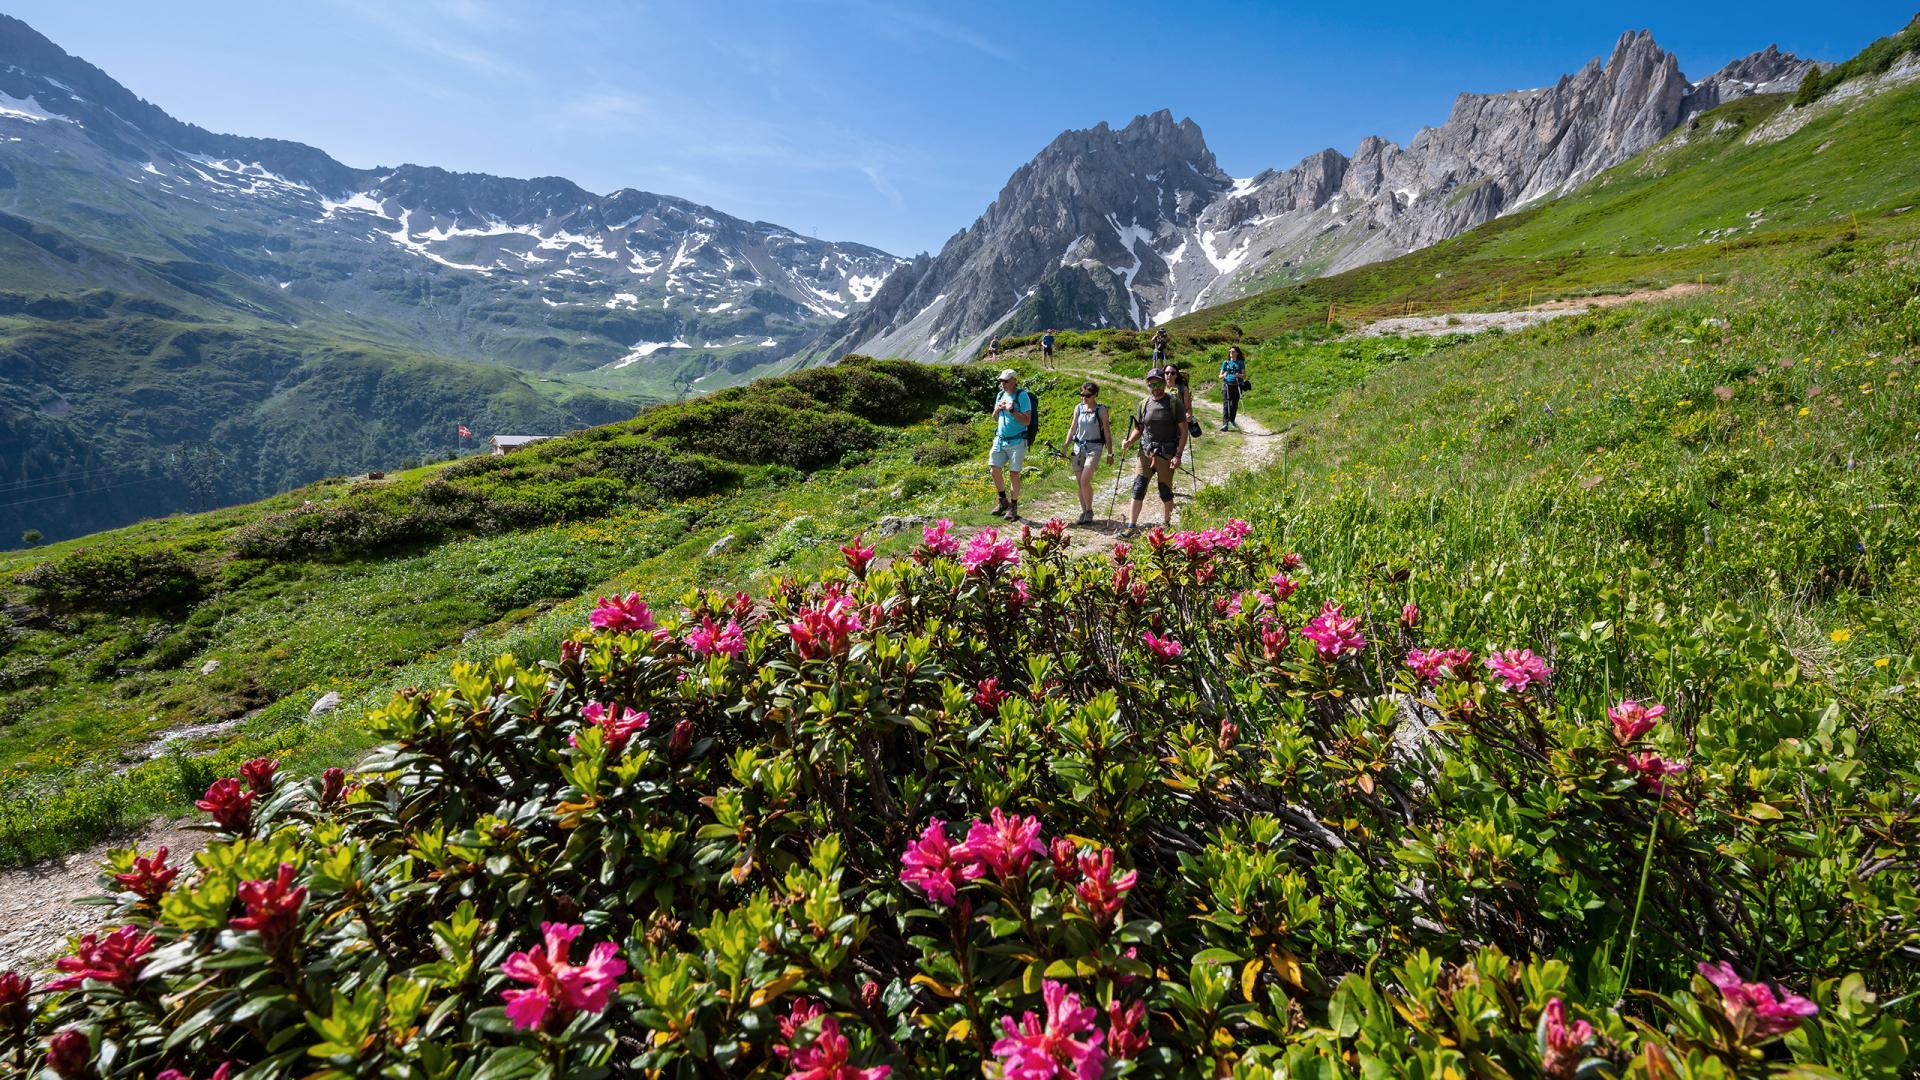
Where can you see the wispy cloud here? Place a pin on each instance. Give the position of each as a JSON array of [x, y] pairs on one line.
[[900, 21], [427, 30]]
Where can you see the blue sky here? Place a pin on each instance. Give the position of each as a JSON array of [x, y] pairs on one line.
[[893, 124]]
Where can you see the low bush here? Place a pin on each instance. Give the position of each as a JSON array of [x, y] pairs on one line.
[[115, 577], [1176, 810]]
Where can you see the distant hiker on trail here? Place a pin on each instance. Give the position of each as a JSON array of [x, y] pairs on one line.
[[1013, 416], [1161, 431], [1233, 375], [1160, 346], [993, 347], [1088, 434], [1046, 347]]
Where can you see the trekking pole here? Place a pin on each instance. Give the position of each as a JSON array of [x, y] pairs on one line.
[[1113, 498]]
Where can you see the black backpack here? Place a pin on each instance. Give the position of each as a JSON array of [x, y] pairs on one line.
[[1033, 417]]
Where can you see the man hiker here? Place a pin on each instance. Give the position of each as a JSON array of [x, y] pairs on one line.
[[1233, 375], [1160, 346], [993, 347], [1046, 347], [1012, 412], [1088, 434], [1160, 427]]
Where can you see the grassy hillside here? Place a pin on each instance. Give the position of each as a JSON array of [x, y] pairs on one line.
[[1723, 194]]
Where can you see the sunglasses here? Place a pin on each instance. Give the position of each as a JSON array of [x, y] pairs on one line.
[[1089, 393]]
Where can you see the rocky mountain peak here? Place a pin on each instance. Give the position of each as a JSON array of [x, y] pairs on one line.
[[1138, 225]]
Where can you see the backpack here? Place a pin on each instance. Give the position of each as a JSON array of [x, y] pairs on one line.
[[1033, 416]]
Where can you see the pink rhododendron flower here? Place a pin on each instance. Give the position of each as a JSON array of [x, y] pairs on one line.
[[712, 639], [1754, 1006], [273, 907], [1065, 1044], [825, 1058], [150, 878], [15, 989], [1066, 860], [621, 614], [1519, 670], [1022, 593], [1283, 587], [1564, 1041], [1631, 719], [858, 556], [934, 864], [1410, 615], [333, 784], [1273, 642], [1100, 889], [937, 539], [1164, 648], [1433, 666], [1334, 634], [616, 730], [1157, 537], [1004, 845], [116, 958], [986, 553], [230, 805], [258, 774], [1120, 553], [802, 1012], [1054, 530], [826, 628], [1195, 545], [989, 695], [1290, 561], [69, 1054], [555, 984], [1652, 770], [1126, 1029], [680, 739]]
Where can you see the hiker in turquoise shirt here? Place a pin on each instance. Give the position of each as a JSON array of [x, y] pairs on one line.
[[1012, 412], [1233, 380]]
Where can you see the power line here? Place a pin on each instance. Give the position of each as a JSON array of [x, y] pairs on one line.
[[77, 494], [83, 476]]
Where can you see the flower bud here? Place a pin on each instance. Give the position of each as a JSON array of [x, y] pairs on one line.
[[69, 1054]]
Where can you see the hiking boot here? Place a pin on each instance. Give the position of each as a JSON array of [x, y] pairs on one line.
[[1226, 427], [1086, 518], [1013, 511], [1129, 532], [1000, 508]]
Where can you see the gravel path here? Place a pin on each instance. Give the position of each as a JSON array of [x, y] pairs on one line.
[[1474, 322], [37, 909], [1222, 454]]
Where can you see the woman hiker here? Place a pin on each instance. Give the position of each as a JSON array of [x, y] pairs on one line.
[[1088, 434], [1233, 372]]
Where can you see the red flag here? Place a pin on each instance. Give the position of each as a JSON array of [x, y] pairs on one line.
[[464, 433]]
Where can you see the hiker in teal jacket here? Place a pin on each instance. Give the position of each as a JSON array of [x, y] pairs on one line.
[[1012, 412]]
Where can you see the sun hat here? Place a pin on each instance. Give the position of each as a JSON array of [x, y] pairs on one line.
[[1009, 374]]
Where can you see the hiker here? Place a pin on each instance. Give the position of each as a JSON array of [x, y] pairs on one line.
[[1161, 432], [1046, 347], [1233, 375], [1012, 413], [1178, 387], [1088, 433], [1160, 346], [993, 348]]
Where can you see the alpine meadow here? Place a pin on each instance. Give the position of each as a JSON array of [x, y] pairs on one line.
[[1527, 686]]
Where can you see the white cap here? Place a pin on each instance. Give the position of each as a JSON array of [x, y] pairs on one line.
[[1009, 374]]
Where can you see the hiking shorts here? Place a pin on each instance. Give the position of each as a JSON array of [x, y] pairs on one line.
[[1086, 456], [1008, 455], [1157, 466]]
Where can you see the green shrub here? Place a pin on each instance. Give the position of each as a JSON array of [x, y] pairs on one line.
[[115, 577], [1251, 835], [525, 584]]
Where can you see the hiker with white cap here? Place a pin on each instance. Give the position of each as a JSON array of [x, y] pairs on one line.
[[1014, 414]]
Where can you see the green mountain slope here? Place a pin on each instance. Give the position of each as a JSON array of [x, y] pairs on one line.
[[134, 387]]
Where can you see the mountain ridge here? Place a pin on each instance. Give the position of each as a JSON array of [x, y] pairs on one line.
[[1494, 153]]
